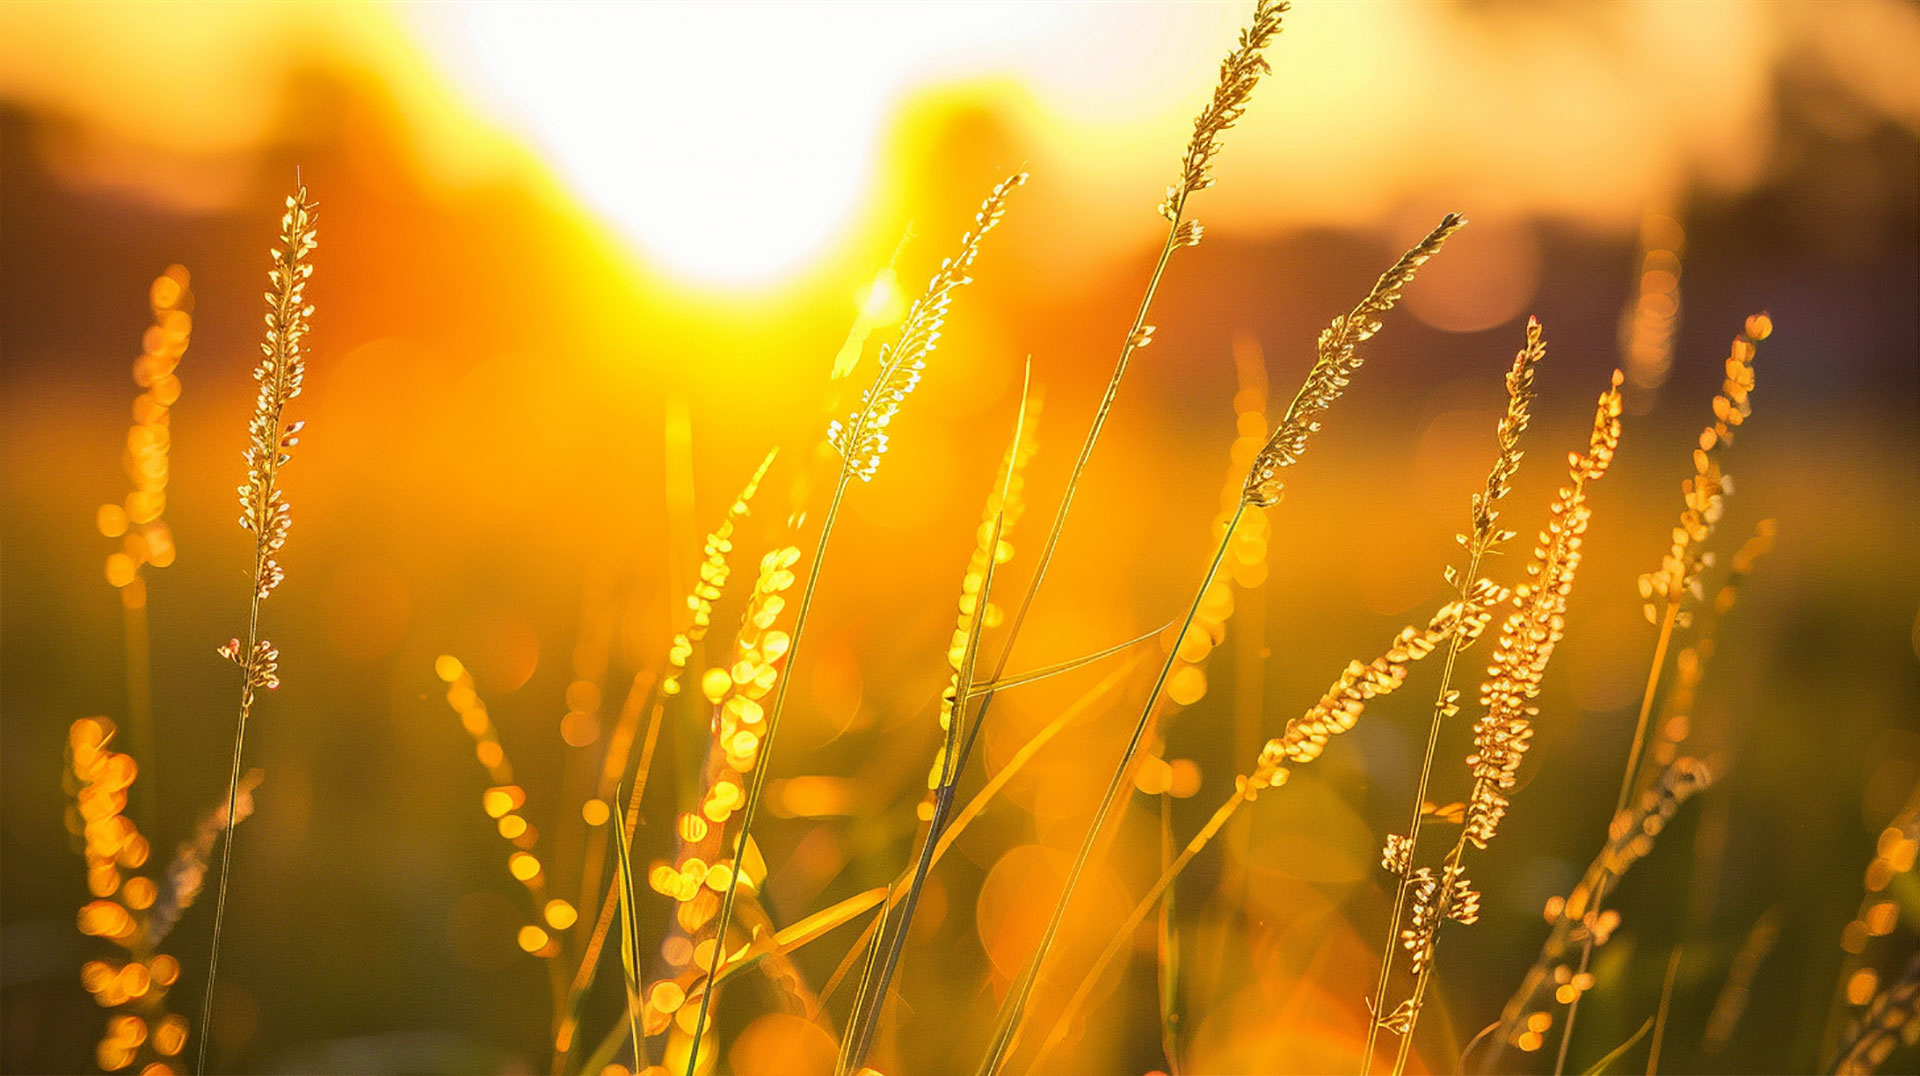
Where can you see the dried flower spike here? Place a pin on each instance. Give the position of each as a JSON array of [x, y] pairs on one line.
[[862, 439], [1533, 628], [263, 506], [714, 572], [1338, 358], [1239, 73], [1677, 581]]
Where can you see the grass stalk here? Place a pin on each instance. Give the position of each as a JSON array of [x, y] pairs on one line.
[[1013, 1010], [1239, 72], [861, 442], [1660, 1014], [1337, 360], [264, 512], [867, 1016], [1678, 578], [630, 943], [1486, 536], [1532, 629], [1123, 937]]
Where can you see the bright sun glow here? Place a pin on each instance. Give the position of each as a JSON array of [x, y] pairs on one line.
[[659, 116], [734, 143]]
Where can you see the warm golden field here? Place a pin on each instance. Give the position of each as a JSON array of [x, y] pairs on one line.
[[945, 538]]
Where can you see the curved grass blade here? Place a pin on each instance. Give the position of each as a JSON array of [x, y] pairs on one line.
[[630, 940], [1600, 1066]]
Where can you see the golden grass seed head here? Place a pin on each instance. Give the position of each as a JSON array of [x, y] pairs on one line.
[[861, 439], [1337, 359]]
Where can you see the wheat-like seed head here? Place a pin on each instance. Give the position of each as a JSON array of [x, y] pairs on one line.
[[862, 439], [1631, 833], [1337, 359], [145, 537], [739, 723], [714, 573], [1239, 73], [1579, 921], [1425, 915], [504, 802], [1534, 625], [1008, 511], [1337, 711], [129, 909], [1678, 577], [1512, 424], [282, 368]]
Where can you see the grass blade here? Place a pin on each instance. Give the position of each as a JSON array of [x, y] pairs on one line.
[[630, 939], [1600, 1066]]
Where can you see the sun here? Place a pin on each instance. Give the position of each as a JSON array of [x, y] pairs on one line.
[[733, 145]]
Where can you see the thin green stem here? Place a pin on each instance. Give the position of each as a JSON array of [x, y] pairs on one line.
[[1441, 703], [233, 795], [1628, 780], [1660, 1014], [1073, 478], [1012, 1012], [1566, 1031], [867, 1015]]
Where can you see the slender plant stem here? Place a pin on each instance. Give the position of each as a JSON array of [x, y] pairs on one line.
[[867, 1017], [1012, 1011], [233, 778], [1073, 478], [629, 823], [759, 781], [1627, 781], [1566, 1032], [1441, 703], [1124, 936], [1660, 1015]]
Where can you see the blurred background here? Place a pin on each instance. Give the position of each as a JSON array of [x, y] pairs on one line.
[[580, 267]]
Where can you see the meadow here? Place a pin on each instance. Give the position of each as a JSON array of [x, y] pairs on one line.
[[1116, 640]]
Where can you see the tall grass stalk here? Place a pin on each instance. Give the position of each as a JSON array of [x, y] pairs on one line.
[[1677, 582], [1337, 359], [1484, 538], [861, 442], [1304, 740], [264, 512], [1532, 629], [1239, 73], [1577, 919], [868, 1008], [629, 942], [649, 695]]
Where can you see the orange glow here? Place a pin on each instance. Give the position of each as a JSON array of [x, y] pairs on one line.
[[588, 264]]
